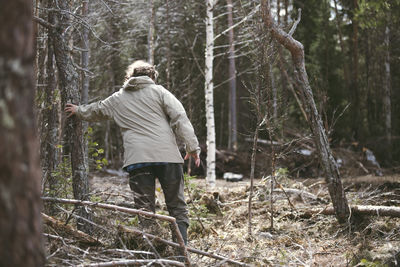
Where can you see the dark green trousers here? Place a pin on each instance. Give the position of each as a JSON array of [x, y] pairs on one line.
[[170, 176]]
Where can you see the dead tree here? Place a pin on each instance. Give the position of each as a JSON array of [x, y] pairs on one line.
[[20, 204], [69, 86], [328, 163]]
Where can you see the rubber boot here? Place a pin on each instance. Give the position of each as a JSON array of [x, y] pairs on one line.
[[183, 229]]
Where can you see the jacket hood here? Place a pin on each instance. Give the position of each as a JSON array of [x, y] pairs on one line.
[[137, 83]]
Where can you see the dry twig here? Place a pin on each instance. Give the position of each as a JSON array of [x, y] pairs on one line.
[[170, 219]]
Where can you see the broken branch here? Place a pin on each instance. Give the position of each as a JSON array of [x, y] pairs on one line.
[[170, 219], [359, 210], [69, 230], [193, 250], [134, 262]]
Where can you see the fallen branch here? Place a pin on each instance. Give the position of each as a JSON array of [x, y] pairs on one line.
[[172, 244], [70, 231], [59, 238], [129, 211], [359, 210], [134, 263]]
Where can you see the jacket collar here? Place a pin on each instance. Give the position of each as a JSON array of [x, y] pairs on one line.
[[136, 83]]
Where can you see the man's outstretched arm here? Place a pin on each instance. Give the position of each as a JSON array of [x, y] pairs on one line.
[[98, 111]]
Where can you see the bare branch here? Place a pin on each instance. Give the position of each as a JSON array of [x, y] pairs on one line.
[[44, 23], [193, 250], [294, 46], [293, 29], [170, 219], [134, 262], [361, 210], [240, 22]]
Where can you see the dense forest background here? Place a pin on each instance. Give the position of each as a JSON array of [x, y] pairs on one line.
[[351, 53]]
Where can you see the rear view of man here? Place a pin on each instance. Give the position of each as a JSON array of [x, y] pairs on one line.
[[150, 118]]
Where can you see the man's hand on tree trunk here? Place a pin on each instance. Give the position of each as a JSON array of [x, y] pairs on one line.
[[70, 109]]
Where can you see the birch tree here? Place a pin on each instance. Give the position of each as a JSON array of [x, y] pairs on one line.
[[20, 204], [209, 91]]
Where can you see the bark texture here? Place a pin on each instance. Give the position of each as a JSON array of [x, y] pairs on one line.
[[232, 144], [328, 163], [387, 105], [151, 32], [355, 94], [85, 53], [69, 84], [49, 124], [209, 94], [20, 204]]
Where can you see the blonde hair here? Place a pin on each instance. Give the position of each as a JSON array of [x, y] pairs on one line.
[[141, 68]]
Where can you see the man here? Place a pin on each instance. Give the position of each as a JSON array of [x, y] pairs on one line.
[[150, 118]]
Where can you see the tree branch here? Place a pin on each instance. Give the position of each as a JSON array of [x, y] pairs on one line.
[[240, 22], [170, 219], [193, 250], [134, 263], [359, 210], [285, 39], [292, 30], [44, 23]]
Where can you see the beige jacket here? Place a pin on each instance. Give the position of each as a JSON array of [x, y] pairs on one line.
[[150, 118]]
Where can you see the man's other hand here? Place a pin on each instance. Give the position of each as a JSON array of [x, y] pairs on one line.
[[70, 109], [195, 156]]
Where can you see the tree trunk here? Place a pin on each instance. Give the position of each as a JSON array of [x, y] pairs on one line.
[[151, 33], [69, 84], [387, 107], [209, 91], [355, 94], [289, 82], [85, 53], [332, 175], [49, 133], [232, 144], [342, 48], [20, 205], [84, 72], [169, 58]]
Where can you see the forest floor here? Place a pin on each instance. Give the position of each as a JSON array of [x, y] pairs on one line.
[[219, 224]]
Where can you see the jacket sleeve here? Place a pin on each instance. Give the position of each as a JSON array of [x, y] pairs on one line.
[[98, 111], [179, 121]]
